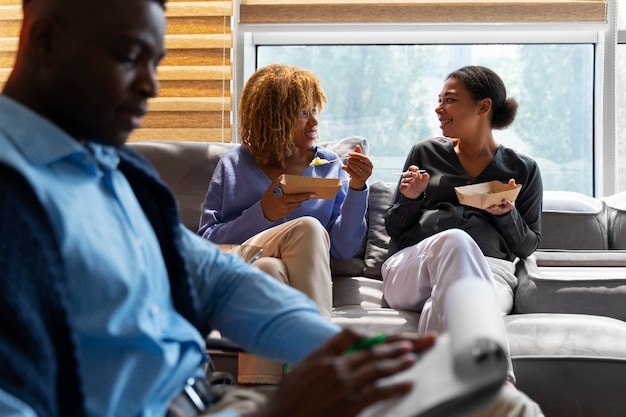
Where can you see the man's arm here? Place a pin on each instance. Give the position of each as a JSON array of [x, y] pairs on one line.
[[252, 308]]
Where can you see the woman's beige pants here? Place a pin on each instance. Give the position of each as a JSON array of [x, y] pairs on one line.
[[296, 253]]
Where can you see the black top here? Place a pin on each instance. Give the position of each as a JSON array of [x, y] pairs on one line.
[[515, 234]]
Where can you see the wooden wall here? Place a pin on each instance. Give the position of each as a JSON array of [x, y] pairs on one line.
[[194, 102], [421, 11]]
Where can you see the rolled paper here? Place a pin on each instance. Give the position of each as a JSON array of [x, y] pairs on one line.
[[478, 338]]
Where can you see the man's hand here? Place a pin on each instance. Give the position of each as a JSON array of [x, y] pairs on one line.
[[330, 383]]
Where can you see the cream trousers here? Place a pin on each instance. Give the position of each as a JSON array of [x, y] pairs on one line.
[[296, 253]]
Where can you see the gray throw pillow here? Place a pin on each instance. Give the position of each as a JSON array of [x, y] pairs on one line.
[[342, 146], [376, 248]]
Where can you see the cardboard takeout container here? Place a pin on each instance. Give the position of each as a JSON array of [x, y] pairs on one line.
[[324, 188], [486, 194]]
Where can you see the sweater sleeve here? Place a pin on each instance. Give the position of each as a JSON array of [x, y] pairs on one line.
[[521, 227], [403, 212], [232, 212], [348, 229]]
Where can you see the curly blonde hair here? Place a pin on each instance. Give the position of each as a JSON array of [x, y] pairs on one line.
[[270, 107]]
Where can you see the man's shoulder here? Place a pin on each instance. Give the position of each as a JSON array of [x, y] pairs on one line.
[[14, 186], [23, 217]]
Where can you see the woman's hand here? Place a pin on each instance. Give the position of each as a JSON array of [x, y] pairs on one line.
[[330, 383], [359, 167], [276, 206], [504, 207], [413, 183]]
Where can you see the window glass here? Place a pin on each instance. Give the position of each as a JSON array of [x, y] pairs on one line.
[[388, 93], [620, 101], [620, 108], [621, 14]]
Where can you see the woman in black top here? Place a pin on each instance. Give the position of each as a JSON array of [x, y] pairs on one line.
[[436, 241]]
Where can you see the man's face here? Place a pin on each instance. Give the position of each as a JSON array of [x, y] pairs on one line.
[[104, 69]]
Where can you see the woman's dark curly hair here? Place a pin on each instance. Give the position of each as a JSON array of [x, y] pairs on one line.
[[481, 82], [270, 107]]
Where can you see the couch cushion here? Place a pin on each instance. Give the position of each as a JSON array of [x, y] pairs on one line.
[[573, 288], [572, 221], [616, 220], [350, 267], [377, 245], [357, 290], [573, 365], [375, 320], [186, 167]]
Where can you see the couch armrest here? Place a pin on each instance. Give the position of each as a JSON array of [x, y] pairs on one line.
[[596, 290]]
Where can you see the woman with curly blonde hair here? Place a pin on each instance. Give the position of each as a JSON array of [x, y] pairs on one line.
[[298, 233], [271, 106]]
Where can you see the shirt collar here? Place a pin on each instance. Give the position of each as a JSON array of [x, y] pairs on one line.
[[44, 143]]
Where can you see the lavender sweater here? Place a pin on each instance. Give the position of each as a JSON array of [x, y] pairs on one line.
[[232, 207]]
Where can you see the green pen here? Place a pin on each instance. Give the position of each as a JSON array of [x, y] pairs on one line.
[[365, 343]]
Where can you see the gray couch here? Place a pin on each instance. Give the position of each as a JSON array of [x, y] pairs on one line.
[[567, 332]]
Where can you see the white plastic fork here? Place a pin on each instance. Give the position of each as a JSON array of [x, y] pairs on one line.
[[421, 171], [328, 161]]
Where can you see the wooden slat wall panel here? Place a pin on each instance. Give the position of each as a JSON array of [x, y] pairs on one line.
[[415, 11], [194, 100], [10, 23], [194, 134]]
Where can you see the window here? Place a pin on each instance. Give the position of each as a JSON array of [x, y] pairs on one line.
[[388, 93], [383, 65], [620, 96]]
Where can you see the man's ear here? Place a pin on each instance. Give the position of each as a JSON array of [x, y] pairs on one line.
[[485, 106], [42, 40]]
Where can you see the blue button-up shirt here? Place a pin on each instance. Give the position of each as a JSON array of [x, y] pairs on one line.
[[135, 351]]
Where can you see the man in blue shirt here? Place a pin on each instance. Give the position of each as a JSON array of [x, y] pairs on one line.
[[105, 296]]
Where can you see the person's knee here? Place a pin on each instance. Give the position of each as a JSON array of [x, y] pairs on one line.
[[453, 240], [311, 230], [511, 402], [274, 267]]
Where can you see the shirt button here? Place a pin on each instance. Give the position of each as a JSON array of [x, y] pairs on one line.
[[155, 309]]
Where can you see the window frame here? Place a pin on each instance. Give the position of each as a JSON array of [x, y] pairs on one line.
[[602, 35], [620, 34]]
